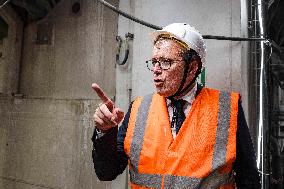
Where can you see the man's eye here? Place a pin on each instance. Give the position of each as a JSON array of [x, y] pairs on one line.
[[166, 61]]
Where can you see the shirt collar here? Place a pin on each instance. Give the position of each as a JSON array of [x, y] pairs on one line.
[[189, 97]]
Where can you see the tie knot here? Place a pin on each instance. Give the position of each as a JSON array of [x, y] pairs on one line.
[[178, 103]]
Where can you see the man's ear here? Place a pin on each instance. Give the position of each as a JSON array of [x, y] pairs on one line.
[[194, 65]]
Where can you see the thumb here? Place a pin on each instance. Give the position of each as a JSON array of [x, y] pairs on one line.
[[118, 115]]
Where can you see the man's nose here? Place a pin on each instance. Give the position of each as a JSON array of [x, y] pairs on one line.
[[157, 68]]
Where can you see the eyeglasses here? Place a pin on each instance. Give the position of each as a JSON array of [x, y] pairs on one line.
[[164, 64]]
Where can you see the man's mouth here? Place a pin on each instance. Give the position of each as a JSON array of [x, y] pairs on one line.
[[158, 82]]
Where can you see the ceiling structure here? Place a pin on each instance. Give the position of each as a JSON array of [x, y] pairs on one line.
[[35, 9], [28, 10]]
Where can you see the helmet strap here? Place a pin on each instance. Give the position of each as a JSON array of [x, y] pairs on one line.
[[192, 81], [182, 83]]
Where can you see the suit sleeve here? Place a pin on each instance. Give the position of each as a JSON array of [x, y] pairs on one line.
[[247, 176], [108, 153]]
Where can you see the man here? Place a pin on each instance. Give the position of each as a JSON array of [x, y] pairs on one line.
[[183, 136]]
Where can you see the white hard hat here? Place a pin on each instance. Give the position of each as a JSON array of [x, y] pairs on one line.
[[185, 33]]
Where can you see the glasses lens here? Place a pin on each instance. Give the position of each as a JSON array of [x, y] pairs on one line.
[[165, 64]]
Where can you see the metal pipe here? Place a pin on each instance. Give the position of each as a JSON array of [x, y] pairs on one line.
[[260, 61]]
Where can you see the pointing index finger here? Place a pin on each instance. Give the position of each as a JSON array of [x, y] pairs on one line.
[[100, 92], [102, 96]]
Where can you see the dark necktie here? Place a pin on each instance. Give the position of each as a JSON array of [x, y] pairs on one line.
[[178, 114]]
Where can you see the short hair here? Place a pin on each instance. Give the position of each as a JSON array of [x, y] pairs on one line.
[[187, 56]]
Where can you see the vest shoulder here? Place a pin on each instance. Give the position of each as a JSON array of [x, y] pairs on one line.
[[139, 98], [218, 91]]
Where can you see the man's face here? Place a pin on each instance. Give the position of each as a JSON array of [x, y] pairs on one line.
[[168, 81]]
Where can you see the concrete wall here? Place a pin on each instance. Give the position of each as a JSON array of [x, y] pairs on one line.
[[45, 131], [10, 59], [245, 57]]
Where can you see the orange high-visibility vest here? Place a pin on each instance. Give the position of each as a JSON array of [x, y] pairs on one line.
[[201, 155]]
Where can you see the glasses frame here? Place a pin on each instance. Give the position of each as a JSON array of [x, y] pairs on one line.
[[160, 63]]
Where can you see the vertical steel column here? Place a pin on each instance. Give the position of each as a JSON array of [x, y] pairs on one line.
[[259, 96]]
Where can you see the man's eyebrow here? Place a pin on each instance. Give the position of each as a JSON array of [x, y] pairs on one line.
[[162, 58]]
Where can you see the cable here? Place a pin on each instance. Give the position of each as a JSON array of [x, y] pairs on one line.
[[159, 28], [233, 38], [129, 16], [4, 4], [128, 36]]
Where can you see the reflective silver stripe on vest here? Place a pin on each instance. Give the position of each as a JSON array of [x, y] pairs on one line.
[[138, 135], [220, 149], [147, 180], [213, 181], [216, 180], [179, 182]]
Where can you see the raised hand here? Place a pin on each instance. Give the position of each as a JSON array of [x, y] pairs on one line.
[[106, 115]]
